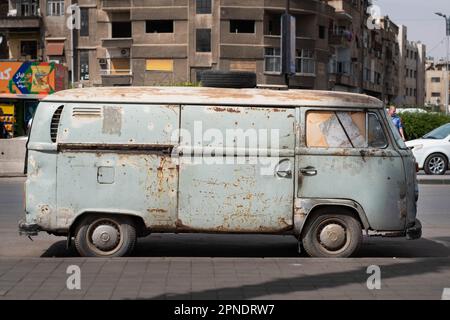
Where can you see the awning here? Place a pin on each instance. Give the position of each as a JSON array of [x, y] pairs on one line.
[[12, 96], [55, 48]]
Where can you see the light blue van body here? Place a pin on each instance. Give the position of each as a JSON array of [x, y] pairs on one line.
[[121, 151]]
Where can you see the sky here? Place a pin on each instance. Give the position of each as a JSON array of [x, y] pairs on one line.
[[423, 25]]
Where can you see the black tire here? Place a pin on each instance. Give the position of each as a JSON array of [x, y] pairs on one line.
[[339, 245], [230, 79], [90, 228], [436, 164]]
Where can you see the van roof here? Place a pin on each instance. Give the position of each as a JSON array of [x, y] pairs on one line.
[[214, 96]]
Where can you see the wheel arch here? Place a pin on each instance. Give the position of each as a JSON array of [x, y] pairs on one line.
[[135, 217], [303, 217], [439, 152]]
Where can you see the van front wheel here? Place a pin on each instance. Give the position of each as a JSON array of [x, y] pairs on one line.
[[336, 235], [105, 236]]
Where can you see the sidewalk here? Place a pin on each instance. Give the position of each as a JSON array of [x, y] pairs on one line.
[[224, 278]]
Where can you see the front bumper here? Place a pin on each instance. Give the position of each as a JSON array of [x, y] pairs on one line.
[[414, 232], [28, 229]]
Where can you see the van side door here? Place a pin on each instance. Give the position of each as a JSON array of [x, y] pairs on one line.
[[236, 169]]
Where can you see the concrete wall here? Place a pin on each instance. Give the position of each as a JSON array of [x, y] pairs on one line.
[[12, 156]]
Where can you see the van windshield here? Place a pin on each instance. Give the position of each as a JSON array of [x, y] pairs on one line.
[[439, 133], [401, 144]]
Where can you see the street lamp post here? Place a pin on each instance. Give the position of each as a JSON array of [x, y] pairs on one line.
[[447, 60]]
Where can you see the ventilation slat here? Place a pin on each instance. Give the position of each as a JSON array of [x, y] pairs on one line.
[[54, 126], [86, 112]]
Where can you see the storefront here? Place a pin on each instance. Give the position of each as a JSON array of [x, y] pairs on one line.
[[22, 86]]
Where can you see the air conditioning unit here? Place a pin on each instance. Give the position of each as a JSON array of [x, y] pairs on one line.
[[102, 61], [125, 53]]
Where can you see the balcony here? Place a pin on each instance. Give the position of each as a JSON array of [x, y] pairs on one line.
[[341, 38], [116, 77], [20, 23], [116, 5], [117, 42], [343, 73]]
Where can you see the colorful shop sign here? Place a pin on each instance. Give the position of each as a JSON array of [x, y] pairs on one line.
[[31, 77]]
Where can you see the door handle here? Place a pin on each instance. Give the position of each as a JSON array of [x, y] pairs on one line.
[[285, 174], [284, 170], [308, 171]]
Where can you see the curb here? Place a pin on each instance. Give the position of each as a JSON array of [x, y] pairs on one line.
[[435, 182], [12, 175]]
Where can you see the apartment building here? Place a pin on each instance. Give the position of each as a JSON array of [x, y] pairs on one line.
[[345, 65], [411, 71], [159, 42], [435, 85], [162, 42]]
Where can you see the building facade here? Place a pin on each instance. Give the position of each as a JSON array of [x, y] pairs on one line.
[[411, 71], [164, 42], [436, 80]]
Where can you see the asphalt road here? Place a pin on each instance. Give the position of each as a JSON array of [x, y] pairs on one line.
[[215, 267]]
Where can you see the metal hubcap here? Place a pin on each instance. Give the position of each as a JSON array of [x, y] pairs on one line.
[[333, 236], [105, 236], [436, 165]]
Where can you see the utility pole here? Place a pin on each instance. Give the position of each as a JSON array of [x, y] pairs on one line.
[[288, 44], [447, 60]]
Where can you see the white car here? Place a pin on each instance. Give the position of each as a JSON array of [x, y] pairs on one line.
[[432, 151]]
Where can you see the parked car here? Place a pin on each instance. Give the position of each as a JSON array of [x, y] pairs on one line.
[[411, 110], [432, 151], [109, 165]]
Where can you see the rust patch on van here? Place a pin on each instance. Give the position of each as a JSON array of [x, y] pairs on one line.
[[222, 109], [112, 120]]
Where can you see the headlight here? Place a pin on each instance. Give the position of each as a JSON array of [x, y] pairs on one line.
[[417, 148]]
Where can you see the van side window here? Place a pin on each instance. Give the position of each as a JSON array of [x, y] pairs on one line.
[[328, 129], [376, 137], [336, 129]]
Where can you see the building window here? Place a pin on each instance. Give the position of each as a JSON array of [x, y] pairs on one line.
[[120, 66], [120, 29], [55, 7], [322, 32], [159, 26], [305, 62], [272, 60], [27, 8], [415, 74], [242, 26], [84, 65], [28, 49], [436, 80], [436, 94], [203, 40], [84, 20], [162, 65], [415, 92], [204, 6]]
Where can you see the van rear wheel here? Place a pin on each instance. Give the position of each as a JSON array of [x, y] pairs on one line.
[[105, 236], [332, 234]]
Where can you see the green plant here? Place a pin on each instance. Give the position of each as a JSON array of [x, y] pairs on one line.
[[416, 125]]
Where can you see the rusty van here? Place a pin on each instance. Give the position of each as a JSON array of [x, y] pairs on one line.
[[109, 165]]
